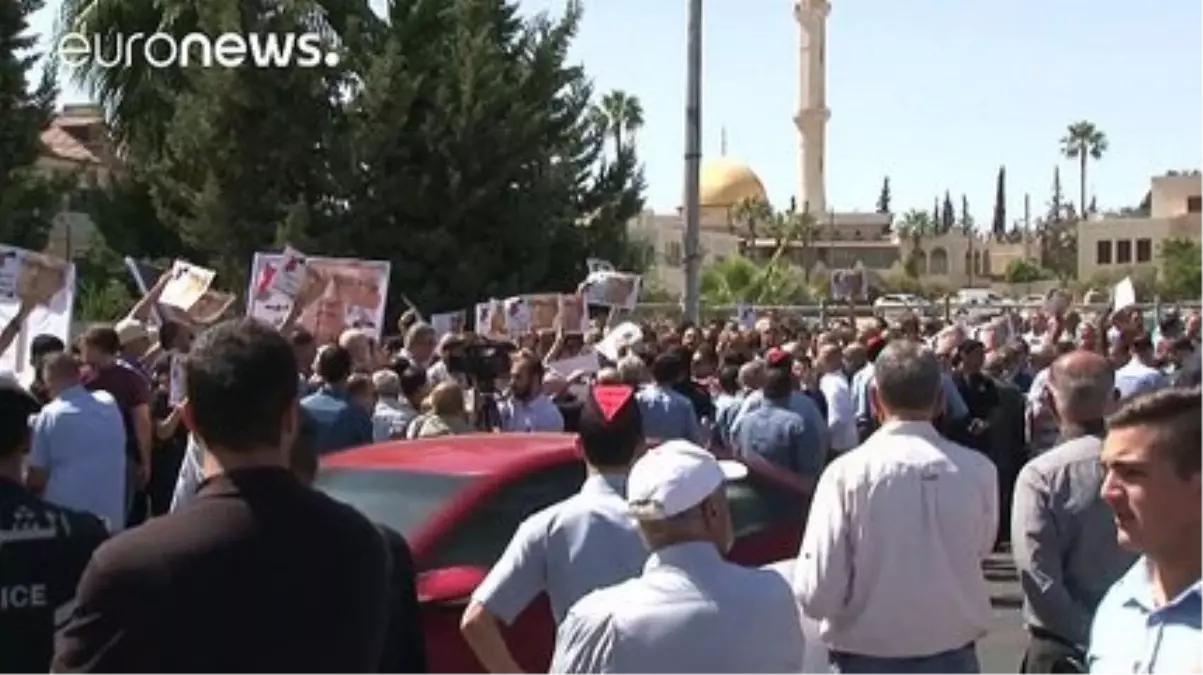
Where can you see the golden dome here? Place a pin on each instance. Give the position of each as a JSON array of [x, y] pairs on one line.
[[724, 182]]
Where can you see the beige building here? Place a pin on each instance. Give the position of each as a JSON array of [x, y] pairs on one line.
[[1110, 248], [77, 144]]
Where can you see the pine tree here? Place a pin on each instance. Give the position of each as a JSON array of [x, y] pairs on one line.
[[948, 217], [999, 227], [27, 199], [967, 223], [936, 218], [883, 200]]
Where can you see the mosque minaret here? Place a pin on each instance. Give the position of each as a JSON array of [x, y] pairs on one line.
[[813, 113]]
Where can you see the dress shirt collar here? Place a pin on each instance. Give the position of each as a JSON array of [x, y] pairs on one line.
[[922, 428], [690, 556], [257, 480], [1136, 589], [605, 484]]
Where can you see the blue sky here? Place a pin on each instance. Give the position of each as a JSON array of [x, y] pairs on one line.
[[936, 94]]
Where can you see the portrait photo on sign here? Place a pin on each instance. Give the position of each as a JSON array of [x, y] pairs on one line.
[[335, 293]]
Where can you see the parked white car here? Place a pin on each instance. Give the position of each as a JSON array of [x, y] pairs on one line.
[[899, 302]]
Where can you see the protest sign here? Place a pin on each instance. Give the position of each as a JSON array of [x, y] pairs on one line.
[[187, 285], [48, 283], [613, 289], [353, 294], [451, 323]]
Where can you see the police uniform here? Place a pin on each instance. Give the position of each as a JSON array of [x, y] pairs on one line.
[[43, 551]]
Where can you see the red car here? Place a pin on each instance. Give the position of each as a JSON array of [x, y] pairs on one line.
[[459, 499]]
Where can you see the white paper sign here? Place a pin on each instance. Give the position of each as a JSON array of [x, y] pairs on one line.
[[624, 334], [613, 289], [745, 316], [54, 319], [448, 322], [187, 285], [10, 270], [586, 363], [1124, 295], [289, 274], [176, 393]]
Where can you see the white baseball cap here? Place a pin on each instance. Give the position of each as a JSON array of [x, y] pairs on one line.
[[674, 477]]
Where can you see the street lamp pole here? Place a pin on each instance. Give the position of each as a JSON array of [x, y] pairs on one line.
[[693, 157]]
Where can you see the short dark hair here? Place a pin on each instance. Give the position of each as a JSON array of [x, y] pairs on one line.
[[1175, 412], [168, 332], [1141, 343], [44, 344], [412, 381], [16, 406], [667, 367], [334, 364], [241, 380], [778, 384], [907, 376], [360, 384], [728, 379], [610, 436], [102, 337]]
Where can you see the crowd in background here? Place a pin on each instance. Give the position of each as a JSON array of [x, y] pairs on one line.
[[148, 428]]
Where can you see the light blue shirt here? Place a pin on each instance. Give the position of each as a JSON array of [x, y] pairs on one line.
[[391, 418], [538, 414], [815, 429], [689, 612], [862, 384], [1131, 635], [1135, 378], [340, 424], [781, 437], [667, 415], [79, 440], [726, 411], [567, 550]]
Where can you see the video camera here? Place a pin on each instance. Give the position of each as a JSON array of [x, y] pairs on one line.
[[482, 362]]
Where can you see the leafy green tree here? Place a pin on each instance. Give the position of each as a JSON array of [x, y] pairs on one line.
[[28, 200], [1058, 234], [883, 199], [1083, 141], [1023, 272], [1180, 274]]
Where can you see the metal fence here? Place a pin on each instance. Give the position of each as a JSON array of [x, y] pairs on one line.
[[945, 310]]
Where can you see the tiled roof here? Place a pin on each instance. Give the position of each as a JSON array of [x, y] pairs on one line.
[[62, 144]]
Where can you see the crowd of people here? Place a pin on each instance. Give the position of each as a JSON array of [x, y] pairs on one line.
[[156, 509]]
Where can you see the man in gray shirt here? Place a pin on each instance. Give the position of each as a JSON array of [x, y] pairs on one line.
[[1062, 532]]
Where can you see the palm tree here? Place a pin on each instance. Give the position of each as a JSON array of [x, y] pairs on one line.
[[625, 116], [1083, 141], [915, 225], [751, 213]]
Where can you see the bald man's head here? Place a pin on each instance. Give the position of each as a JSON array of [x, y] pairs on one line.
[[1083, 386]]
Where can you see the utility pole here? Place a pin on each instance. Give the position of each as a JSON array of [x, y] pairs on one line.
[[693, 157]]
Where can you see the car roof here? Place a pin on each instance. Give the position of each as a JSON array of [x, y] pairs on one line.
[[460, 455]]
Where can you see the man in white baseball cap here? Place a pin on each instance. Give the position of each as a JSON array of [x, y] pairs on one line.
[[690, 610]]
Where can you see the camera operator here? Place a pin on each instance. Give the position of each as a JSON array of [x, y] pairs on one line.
[[527, 408]]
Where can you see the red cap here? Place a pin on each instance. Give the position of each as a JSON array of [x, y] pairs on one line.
[[777, 357]]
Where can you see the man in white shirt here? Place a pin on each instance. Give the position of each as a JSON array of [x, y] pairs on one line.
[[841, 413], [690, 610], [890, 563]]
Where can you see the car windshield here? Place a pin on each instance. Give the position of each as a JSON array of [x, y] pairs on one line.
[[402, 500]]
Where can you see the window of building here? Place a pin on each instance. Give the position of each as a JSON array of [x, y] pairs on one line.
[[1194, 204], [672, 254], [1103, 252], [1123, 252], [1144, 250]]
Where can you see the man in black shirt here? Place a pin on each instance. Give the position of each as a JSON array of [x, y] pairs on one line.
[[43, 549], [258, 574]]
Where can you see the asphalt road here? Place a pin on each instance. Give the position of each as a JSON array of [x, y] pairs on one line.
[[1002, 649]]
